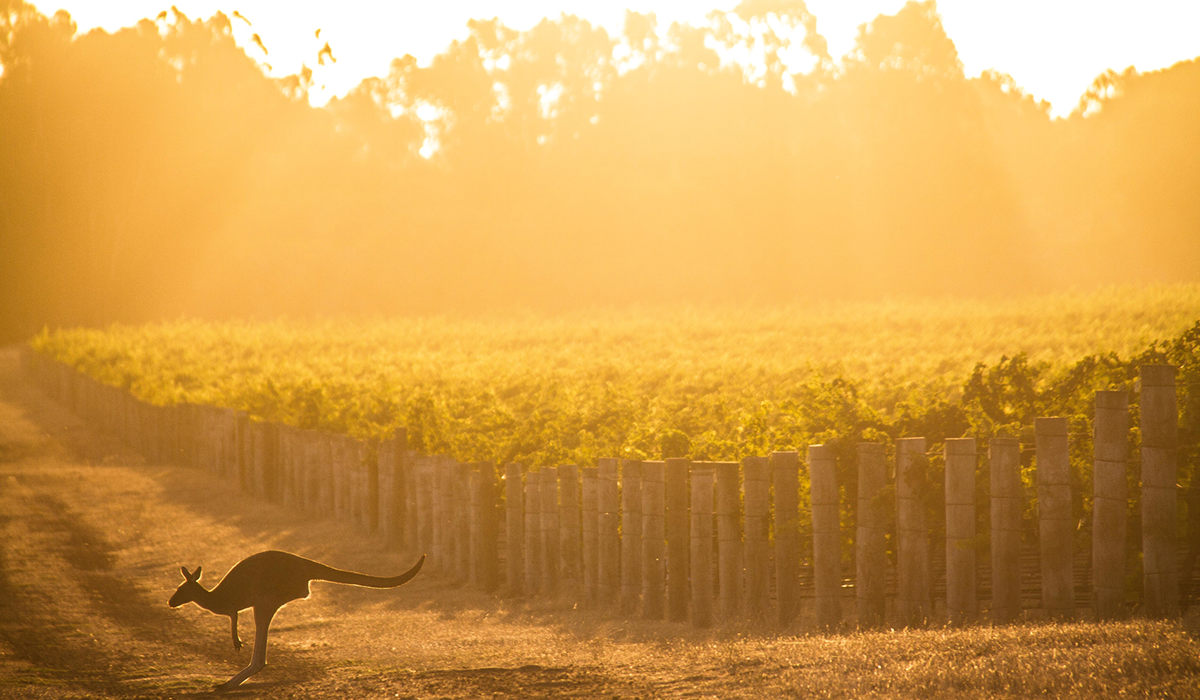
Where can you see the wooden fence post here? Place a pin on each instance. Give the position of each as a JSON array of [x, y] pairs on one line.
[[298, 441], [324, 470], [631, 535], [203, 448], [569, 522], [195, 437], [827, 537], [443, 544], [212, 436], [590, 530], [1160, 443], [1056, 527], [289, 477], [729, 537], [678, 539], [388, 485], [252, 478], [245, 444], [358, 483], [1004, 467], [1110, 501], [258, 442], [608, 535], [483, 555], [371, 491], [223, 424], [961, 603], [701, 555], [551, 547], [514, 533], [912, 533], [870, 556], [216, 442], [756, 484], [461, 524], [392, 497], [412, 515], [424, 473], [306, 468], [653, 535], [533, 533], [785, 473], [489, 557], [166, 423], [338, 460], [232, 468], [474, 524], [149, 422]]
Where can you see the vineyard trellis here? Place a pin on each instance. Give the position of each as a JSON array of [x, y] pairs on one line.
[[721, 541]]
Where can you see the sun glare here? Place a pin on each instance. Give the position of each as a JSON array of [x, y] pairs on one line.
[[1054, 57]]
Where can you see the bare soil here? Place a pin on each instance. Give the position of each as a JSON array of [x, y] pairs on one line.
[[92, 538]]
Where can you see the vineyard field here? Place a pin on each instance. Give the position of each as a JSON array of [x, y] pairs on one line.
[[710, 384]]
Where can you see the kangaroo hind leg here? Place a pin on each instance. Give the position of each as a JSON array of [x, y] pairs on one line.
[[262, 621]]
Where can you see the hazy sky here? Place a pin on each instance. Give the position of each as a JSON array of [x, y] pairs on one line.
[[1054, 48]]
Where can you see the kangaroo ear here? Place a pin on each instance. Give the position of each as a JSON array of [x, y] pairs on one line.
[[183, 570], [196, 573], [194, 576]]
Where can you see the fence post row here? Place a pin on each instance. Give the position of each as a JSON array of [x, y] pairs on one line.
[[671, 539]]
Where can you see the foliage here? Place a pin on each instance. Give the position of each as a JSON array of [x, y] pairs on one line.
[[713, 385], [157, 171]]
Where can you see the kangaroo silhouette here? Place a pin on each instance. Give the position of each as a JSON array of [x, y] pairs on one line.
[[266, 582]]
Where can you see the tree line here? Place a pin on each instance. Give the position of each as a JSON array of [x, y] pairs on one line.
[[156, 171]]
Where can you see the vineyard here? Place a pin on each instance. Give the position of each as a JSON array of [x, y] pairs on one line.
[[708, 385], [660, 383]]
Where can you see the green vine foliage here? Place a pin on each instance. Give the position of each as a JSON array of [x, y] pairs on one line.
[[554, 392]]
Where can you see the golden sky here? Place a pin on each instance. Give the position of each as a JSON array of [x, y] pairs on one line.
[[1054, 48]]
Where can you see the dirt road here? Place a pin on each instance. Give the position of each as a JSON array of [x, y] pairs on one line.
[[92, 538]]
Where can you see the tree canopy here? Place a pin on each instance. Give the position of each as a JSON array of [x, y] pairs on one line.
[[156, 171]]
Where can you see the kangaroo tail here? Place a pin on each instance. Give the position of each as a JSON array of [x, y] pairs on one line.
[[328, 573]]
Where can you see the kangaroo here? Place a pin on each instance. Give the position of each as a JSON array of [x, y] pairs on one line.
[[266, 582]]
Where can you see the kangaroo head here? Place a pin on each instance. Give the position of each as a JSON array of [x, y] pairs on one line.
[[189, 590]]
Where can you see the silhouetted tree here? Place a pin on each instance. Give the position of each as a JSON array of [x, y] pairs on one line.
[[157, 171]]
